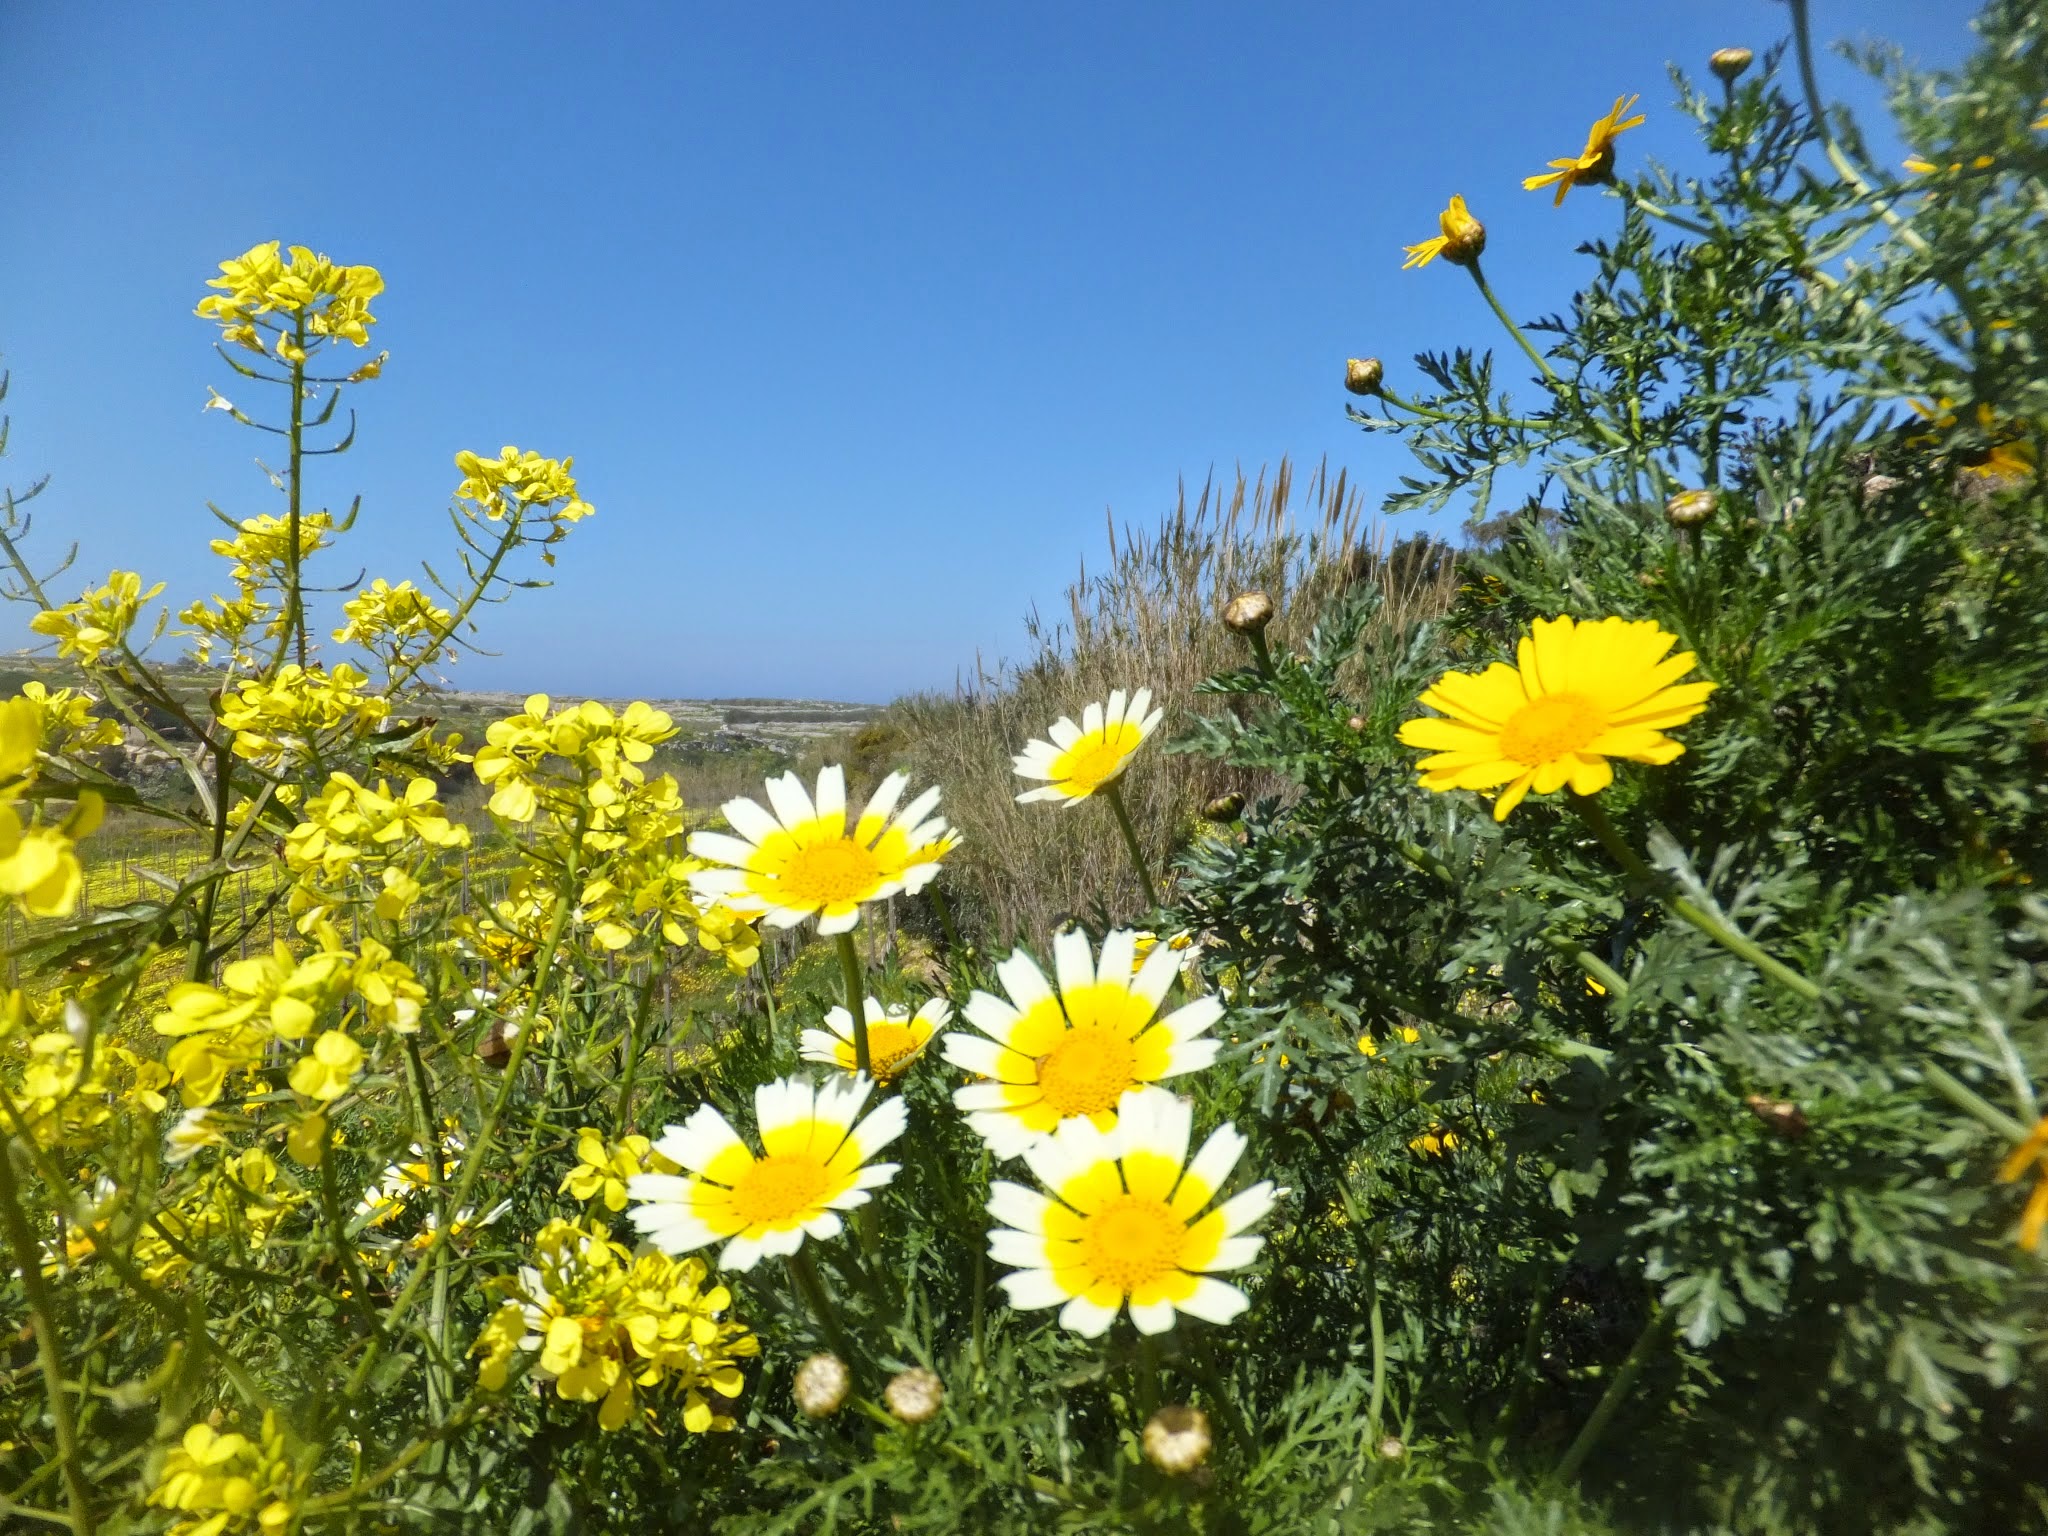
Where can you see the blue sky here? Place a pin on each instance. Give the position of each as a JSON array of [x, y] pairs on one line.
[[856, 319]]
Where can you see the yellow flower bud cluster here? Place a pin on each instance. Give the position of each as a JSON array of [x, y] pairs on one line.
[[332, 301], [603, 1167], [39, 865], [262, 548], [605, 1324], [521, 482], [68, 724], [231, 1484], [60, 1091], [99, 621], [357, 845], [279, 721], [401, 624]]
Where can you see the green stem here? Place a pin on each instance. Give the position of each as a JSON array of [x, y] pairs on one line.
[[430, 1148], [1802, 41], [1482, 418], [49, 1354], [856, 1001], [337, 1231], [295, 600], [805, 1273], [1708, 923], [622, 1117], [506, 542], [1486, 292], [1647, 1344], [1114, 793], [1952, 1089]]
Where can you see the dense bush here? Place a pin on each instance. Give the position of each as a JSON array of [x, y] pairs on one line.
[[1633, 1124]]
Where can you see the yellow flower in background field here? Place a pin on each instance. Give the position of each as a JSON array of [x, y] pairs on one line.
[[602, 1168], [2032, 1151], [1048, 1057], [1462, 239], [799, 860], [1368, 1046], [896, 1037], [814, 1164], [1579, 695], [1124, 1224], [1081, 759], [1594, 163]]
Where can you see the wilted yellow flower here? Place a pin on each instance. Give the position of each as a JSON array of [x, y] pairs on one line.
[[1462, 240], [1580, 694], [2032, 1151], [1082, 759], [1124, 1224], [1594, 163]]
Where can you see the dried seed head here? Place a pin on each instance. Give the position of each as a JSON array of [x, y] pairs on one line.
[[915, 1395], [1177, 1439], [1781, 1117], [1688, 509], [821, 1385], [1362, 375], [1876, 485], [1729, 62], [1224, 808], [1392, 1449], [1248, 613]]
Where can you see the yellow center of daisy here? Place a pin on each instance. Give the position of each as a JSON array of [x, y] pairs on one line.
[[1088, 1071], [1546, 729], [890, 1047], [829, 874], [1093, 761], [778, 1189], [1132, 1240]]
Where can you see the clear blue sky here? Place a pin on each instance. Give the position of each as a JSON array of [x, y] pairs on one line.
[[856, 318]]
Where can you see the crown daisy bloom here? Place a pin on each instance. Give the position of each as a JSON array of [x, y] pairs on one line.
[[896, 1037], [1461, 242], [1124, 1223], [1579, 695], [798, 859], [814, 1163], [1594, 163], [1048, 1057], [1081, 759]]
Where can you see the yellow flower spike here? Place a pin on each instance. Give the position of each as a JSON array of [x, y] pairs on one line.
[[798, 860], [1124, 1224], [1082, 759], [1594, 163], [1046, 1057], [1462, 240], [814, 1164], [896, 1037], [2033, 1150], [1579, 695]]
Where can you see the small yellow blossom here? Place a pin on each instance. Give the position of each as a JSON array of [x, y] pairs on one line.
[[325, 1072], [1594, 163], [99, 621], [2030, 1152], [523, 482], [896, 1037], [1462, 240], [231, 1484], [603, 1168]]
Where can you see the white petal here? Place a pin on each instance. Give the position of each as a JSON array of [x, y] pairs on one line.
[[817, 1045], [1155, 1318], [1022, 979], [841, 922], [698, 1140], [971, 1053], [1006, 1135], [1019, 1250], [1214, 1301], [881, 1127], [1119, 956], [914, 817], [721, 847], [824, 1227], [742, 1253], [1029, 1289], [1194, 1018], [1191, 1056], [980, 1096], [1234, 1253], [1091, 720], [1113, 712], [937, 1012], [660, 1188], [991, 1015], [1015, 1206], [875, 1175], [832, 793], [1072, 962], [1080, 1315], [1048, 792], [1154, 1120], [1155, 977], [780, 1245], [1218, 1156], [1140, 702], [790, 801], [751, 820], [1064, 733], [1243, 1210]]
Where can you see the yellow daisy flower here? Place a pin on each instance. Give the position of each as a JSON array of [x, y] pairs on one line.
[[799, 860], [814, 1164], [2033, 1150], [1579, 694], [896, 1037], [1081, 759], [1052, 1057], [1463, 238], [1124, 1225], [1594, 163]]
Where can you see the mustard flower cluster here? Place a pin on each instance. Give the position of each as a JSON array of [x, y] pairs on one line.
[[324, 300], [229, 1483], [522, 482], [278, 721], [354, 843], [99, 621], [401, 624], [61, 1084], [631, 1334], [39, 865]]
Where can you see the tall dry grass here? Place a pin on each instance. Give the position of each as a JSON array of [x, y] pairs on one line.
[[1149, 620]]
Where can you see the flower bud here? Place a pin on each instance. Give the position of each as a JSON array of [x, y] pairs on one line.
[[1464, 236], [915, 1395], [1224, 808], [1177, 1439], [1362, 375], [1729, 62], [1248, 613], [1355, 723], [1391, 1449], [1688, 509], [821, 1385]]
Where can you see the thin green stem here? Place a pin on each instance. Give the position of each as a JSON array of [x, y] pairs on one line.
[[1486, 292], [430, 1151], [1971, 1104], [856, 1001], [1647, 1343], [1809, 82], [295, 597], [1113, 792], [337, 1232], [507, 541], [805, 1274], [1430, 413], [622, 1116], [42, 1318]]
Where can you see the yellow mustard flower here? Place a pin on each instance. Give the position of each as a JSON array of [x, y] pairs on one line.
[[385, 618], [1047, 1057], [325, 1072], [230, 1483], [814, 1164], [2032, 1151], [1437, 1141], [1368, 1046], [896, 1037], [1124, 1225], [602, 1168], [333, 299], [1082, 759], [1579, 695], [1594, 163], [799, 860], [520, 481], [99, 621], [1460, 242]]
